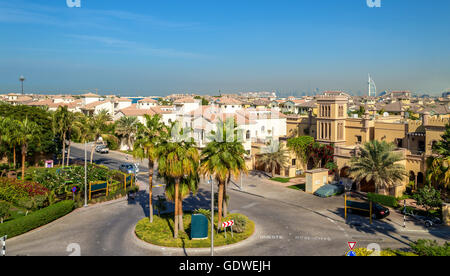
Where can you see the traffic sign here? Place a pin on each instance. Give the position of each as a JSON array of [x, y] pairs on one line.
[[74, 189], [228, 224], [351, 245]]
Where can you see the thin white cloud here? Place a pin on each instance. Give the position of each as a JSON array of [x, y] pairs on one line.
[[132, 46], [28, 12]]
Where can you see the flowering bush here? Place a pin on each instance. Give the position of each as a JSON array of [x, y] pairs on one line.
[[16, 191]]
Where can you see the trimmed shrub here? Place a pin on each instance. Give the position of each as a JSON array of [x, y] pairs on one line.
[[240, 222], [431, 248], [363, 252], [36, 219], [19, 192], [383, 200]]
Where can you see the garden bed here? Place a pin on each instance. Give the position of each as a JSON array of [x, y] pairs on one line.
[[160, 232]]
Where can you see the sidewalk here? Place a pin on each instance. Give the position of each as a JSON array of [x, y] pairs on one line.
[[332, 208]]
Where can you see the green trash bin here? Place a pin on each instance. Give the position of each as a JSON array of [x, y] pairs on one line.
[[199, 227]]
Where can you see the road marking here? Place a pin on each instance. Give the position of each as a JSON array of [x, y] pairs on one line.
[[250, 205]]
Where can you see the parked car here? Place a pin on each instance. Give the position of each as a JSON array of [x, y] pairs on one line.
[[329, 190], [378, 211], [102, 149], [129, 168]]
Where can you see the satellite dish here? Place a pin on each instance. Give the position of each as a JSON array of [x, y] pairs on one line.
[[385, 114]]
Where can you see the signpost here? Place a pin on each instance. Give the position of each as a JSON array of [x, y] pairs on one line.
[[3, 239], [212, 215], [351, 253], [227, 224], [74, 189]]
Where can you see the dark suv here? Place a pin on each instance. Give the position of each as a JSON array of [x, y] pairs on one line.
[[378, 211]]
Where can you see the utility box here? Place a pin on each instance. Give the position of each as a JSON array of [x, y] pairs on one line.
[[316, 179], [199, 227]]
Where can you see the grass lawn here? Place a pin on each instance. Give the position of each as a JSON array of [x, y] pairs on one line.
[[16, 212], [281, 179], [300, 187], [160, 232]]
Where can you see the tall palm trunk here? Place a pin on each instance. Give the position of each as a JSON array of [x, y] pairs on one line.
[[68, 154], [220, 203], [180, 214], [225, 203], [175, 227], [24, 155], [63, 148], [150, 188], [14, 156]]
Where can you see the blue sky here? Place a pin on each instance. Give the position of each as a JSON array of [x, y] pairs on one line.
[[161, 47]]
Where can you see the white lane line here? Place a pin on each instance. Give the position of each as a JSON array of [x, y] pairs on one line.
[[250, 205]]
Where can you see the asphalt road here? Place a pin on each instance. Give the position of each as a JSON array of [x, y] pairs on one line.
[[282, 229]]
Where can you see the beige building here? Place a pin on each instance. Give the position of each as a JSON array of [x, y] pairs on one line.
[[414, 139]]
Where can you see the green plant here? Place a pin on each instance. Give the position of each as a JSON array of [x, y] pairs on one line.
[[205, 212], [377, 162], [383, 200], [240, 222], [4, 210], [36, 219], [428, 197], [431, 248]]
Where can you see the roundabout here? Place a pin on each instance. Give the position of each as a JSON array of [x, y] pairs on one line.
[[159, 234]]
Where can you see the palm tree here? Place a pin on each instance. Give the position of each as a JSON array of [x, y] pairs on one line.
[[126, 127], [147, 145], [222, 158], [62, 119], [378, 163], [97, 128], [29, 132], [10, 135], [178, 159], [74, 129], [187, 186], [273, 156]]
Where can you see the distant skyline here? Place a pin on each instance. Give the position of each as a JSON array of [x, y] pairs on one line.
[[293, 47]]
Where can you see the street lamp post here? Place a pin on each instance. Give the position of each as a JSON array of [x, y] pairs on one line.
[[85, 174], [212, 215], [22, 79]]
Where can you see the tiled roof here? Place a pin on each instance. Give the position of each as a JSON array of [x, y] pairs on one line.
[[148, 100], [185, 100]]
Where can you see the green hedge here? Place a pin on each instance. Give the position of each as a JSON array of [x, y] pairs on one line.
[[383, 200], [36, 219]]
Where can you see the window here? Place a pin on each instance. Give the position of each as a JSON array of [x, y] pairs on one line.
[[359, 139], [247, 136], [294, 162]]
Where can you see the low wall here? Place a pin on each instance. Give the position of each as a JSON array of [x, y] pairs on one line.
[[446, 213]]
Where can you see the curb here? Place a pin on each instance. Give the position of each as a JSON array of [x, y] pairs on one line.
[[74, 212], [187, 251]]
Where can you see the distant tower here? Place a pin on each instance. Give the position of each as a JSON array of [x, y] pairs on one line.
[[22, 79], [371, 84]]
